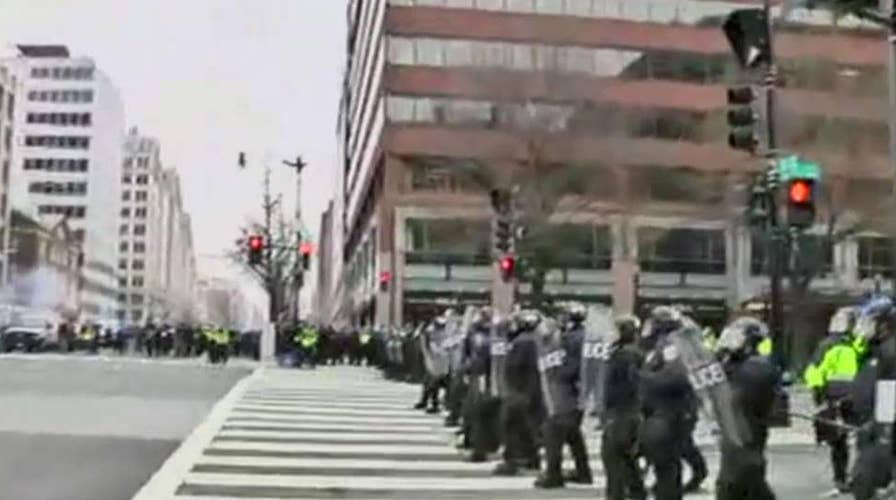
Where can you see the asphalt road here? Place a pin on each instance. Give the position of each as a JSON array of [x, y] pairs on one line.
[[94, 429]]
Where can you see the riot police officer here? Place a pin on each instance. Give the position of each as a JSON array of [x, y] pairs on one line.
[[753, 380], [435, 358], [667, 401], [477, 367], [559, 365], [829, 376], [876, 325], [621, 411], [521, 404]]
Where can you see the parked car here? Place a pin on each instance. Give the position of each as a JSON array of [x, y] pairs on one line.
[[23, 338]]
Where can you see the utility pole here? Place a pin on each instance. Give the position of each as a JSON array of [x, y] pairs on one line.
[[298, 165], [769, 82], [271, 273]]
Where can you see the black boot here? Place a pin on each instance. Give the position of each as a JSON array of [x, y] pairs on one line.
[[432, 410], [575, 477], [504, 469], [421, 405], [545, 482]]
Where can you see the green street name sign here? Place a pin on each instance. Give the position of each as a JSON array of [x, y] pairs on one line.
[[793, 167]]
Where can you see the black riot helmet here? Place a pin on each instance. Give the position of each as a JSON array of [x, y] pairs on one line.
[[576, 313], [527, 320], [628, 326], [662, 321], [483, 317]]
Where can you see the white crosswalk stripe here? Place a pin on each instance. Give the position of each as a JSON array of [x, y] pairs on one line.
[[343, 432]]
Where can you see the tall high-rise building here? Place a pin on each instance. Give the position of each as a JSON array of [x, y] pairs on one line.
[[69, 126], [7, 113], [156, 262], [633, 90]]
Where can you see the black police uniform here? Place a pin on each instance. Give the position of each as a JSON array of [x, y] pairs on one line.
[[622, 422], [667, 400], [564, 426], [874, 460], [479, 416], [521, 407], [741, 476]]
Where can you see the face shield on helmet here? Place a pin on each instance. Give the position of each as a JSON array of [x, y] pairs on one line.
[[874, 319], [663, 319], [742, 336], [527, 320], [627, 328], [441, 321], [843, 320]]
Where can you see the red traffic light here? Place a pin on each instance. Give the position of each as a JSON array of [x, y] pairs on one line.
[[385, 277], [507, 264], [306, 248], [800, 192], [256, 242]]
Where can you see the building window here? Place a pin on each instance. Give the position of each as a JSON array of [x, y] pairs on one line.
[[122, 282], [137, 281], [122, 264], [123, 229], [126, 195], [136, 315], [63, 188], [681, 250], [137, 264], [123, 246], [122, 298], [78, 235], [58, 141], [136, 299], [141, 196], [140, 213], [139, 247], [875, 257], [75, 96], [125, 179], [140, 229], [56, 164], [73, 211], [128, 162], [142, 179], [63, 119], [125, 212]]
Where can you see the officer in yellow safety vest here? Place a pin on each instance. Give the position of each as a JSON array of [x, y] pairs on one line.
[[306, 340], [765, 347], [829, 376]]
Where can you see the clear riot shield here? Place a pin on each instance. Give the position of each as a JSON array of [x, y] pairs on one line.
[[428, 358], [600, 334], [456, 342], [498, 355], [707, 376], [551, 356]]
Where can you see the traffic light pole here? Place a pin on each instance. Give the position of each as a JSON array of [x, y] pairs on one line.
[[776, 314], [889, 7]]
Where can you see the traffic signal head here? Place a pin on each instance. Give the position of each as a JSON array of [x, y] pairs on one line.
[[504, 234], [501, 200], [801, 203], [385, 279], [507, 265], [742, 118], [305, 249], [256, 247], [747, 31]]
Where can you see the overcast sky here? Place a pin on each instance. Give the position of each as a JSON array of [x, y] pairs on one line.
[[210, 78]]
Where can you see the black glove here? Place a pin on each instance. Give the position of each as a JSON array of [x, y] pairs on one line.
[[817, 396]]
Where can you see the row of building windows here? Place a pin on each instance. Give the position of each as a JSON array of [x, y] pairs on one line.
[[661, 250], [136, 298], [67, 188], [690, 12], [138, 247], [73, 211], [75, 96], [56, 164], [64, 119], [141, 179], [607, 119], [142, 162], [136, 281], [136, 264], [63, 73], [804, 73], [139, 212], [138, 195], [515, 56], [58, 141], [139, 229]]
